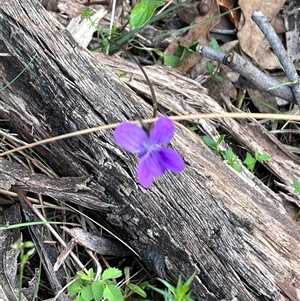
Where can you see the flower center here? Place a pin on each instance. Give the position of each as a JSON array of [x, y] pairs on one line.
[[148, 148]]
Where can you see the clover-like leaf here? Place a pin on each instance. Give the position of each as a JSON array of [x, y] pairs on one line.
[[111, 273], [74, 288], [112, 292], [97, 289], [86, 293]]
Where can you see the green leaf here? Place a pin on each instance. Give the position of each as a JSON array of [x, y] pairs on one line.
[[220, 140], [231, 160], [214, 44], [80, 274], [143, 12], [263, 158], [167, 284], [28, 244], [186, 52], [111, 273], [183, 289], [74, 288], [250, 162], [219, 78], [79, 298], [195, 47], [249, 159], [84, 276], [112, 292], [210, 67], [193, 128], [127, 273], [158, 52], [296, 186], [144, 284], [30, 252], [136, 289], [180, 50], [90, 274], [180, 293], [229, 154], [236, 166], [209, 142], [97, 289], [171, 60], [179, 284], [86, 293], [24, 258]]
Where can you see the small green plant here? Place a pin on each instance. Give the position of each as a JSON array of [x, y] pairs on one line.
[[180, 54], [143, 12], [86, 288], [214, 71], [133, 288], [103, 34], [229, 156], [214, 144], [250, 161], [193, 128], [175, 59], [231, 159], [87, 14], [182, 291], [24, 256]]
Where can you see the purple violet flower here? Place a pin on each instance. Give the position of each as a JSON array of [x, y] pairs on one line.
[[154, 159]]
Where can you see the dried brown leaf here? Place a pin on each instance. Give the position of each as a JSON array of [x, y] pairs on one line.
[[227, 5], [252, 40]]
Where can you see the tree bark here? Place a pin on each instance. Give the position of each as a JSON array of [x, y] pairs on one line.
[[229, 227]]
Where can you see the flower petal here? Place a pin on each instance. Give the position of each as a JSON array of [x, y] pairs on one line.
[[170, 159], [131, 137], [149, 167], [162, 131]]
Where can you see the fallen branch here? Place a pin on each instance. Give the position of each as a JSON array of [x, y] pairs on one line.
[[279, 50], [250, 76]]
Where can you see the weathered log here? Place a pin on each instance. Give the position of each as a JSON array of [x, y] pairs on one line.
[[231, 229]]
